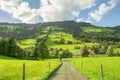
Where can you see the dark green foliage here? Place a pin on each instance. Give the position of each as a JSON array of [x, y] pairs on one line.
[[84, 51], [41, 50], [69, 42], [54, 53], [66, 54], [8, 47], [3, 47], [61, 53], [56, 42], [62, 41], [77, 47]]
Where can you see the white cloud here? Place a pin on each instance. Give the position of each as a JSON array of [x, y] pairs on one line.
[[50, 10], [20, 10], [25, 13], [79, 20], [102, 10], [59, 10]]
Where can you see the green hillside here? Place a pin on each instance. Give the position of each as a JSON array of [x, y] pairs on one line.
[[26, 43], [68, 36]]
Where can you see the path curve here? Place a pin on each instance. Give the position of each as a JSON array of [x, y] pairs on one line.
[[67, 72]]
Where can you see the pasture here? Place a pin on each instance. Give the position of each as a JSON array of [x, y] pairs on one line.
[[90, 67], [56, 36], [26, 43], [34, 70]]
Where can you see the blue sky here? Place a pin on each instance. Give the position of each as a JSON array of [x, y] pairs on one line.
[[97, 12]]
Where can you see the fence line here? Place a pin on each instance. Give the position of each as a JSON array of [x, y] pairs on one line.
[[49, 66], [23, 71], [101, 72]]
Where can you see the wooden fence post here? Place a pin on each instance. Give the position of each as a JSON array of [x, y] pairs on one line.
[[101, 72], [23, 71], [49, 65]]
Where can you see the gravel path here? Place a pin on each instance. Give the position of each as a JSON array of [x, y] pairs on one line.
[[67, 72]]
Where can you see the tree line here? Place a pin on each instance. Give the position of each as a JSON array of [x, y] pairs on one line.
[[107, 50], [8, 47]]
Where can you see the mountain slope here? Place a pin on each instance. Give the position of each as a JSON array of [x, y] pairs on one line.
[[79, 30]]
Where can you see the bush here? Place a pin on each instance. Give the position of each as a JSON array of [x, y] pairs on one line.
[[84, 51], [56, 42], [62, 41], [69, 42]]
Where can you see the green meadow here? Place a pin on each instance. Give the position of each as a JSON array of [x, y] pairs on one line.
[[26, 43], [56, 36], [34, 70], [90, 67]]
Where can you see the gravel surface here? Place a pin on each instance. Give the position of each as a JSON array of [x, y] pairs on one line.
[[67, 72]]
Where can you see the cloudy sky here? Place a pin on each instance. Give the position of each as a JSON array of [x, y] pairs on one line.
[[97, 12]]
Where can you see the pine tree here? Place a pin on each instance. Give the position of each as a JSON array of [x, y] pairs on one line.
[[41, 51], [84, 51]]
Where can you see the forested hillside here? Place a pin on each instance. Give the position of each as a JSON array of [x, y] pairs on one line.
[[48, 40], [81, 30]]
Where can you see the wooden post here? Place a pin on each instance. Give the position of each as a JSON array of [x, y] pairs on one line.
[[49, 65], [101, 72], [23, 71]]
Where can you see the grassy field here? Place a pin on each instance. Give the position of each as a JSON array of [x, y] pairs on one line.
[[90, 67], [92, 29], [96, 29], [26, 43], [57, 36], [35, 70], [71, 46]]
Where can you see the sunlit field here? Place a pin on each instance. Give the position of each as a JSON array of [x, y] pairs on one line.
[[34, 70], [26, 43], [90, 67]]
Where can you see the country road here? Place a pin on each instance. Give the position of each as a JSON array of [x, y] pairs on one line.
[[67, 72]]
